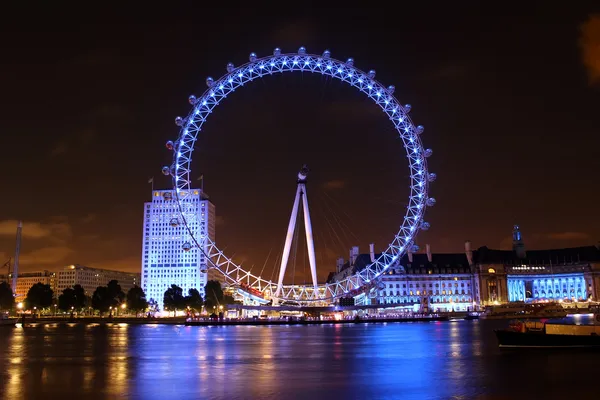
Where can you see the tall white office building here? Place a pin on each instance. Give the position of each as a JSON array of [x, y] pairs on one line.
[[165, 260]]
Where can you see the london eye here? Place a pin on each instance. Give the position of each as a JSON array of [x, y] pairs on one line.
[[344, 71]]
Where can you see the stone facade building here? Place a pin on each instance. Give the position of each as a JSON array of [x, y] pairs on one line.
[[482, 277]]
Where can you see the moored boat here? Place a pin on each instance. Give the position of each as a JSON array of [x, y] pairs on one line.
[[563, 333], [472, 315], [522, 310]]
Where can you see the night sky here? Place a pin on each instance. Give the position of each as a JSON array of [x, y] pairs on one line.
[[509, 97]]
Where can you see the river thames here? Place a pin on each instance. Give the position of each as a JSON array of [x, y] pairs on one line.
[[432, 360]]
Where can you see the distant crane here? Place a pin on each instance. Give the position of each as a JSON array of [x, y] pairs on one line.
[[15, 273], [7, 264]]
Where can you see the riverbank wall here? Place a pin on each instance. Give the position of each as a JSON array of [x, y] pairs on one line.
[[209, 322]]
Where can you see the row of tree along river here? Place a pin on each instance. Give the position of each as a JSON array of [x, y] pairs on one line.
[[110, 299]]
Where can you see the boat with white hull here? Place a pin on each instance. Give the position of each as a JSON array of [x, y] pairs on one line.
[[563, 333]]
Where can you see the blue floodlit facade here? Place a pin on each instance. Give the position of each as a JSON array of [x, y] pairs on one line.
[[569, 274], [543, 287]]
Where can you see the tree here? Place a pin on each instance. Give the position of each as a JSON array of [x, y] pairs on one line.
[[136, 299], [67, 299], [81, 299], [40, 296], [173, 299], [228, 299], [7, 300], [115, 293], [194, 300], [108, 296], [101, 300], [214, 296]]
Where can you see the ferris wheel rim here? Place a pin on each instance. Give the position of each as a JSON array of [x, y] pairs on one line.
[[365, 82]]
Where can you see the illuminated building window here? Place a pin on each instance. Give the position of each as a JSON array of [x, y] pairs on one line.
[[491, 271], [163, 243]]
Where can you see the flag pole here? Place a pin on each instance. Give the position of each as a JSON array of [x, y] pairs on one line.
[[201, 179]]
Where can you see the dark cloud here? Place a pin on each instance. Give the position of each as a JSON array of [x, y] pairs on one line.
[[59, 149], [351, 109], [299, 32], [589, 42], [550, 240], [88, 128], [452, 71], [46, 257], [35, 230], [568, 236], [335, 184], [110, 92], [91, 217], [44, 244], [129, 263], [97, 57]]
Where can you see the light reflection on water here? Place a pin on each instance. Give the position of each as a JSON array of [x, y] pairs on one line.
[[410, 361]]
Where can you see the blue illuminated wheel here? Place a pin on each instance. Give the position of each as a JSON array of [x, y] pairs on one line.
[[365, 82]]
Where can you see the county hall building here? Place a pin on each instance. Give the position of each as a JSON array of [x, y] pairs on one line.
[[476, 278]]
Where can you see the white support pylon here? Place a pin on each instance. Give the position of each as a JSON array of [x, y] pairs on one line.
[[288, 242], [310, 244], [300, 192]]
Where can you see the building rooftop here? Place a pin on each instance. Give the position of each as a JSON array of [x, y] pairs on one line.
[[441, 263], [484, 255], [452, 263], [82, 267]]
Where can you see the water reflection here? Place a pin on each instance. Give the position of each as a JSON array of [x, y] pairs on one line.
[[13, 380], [409, 361]]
